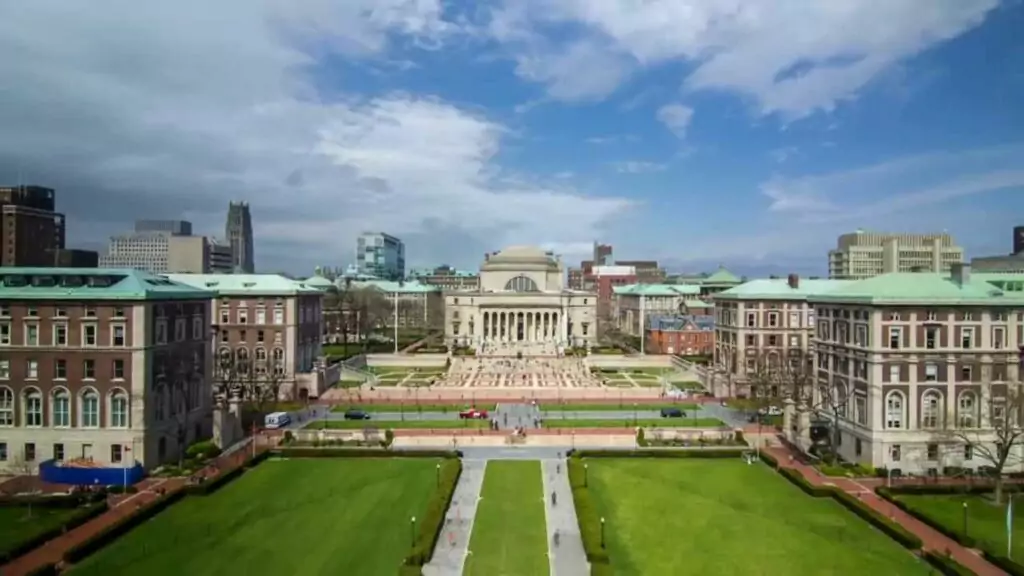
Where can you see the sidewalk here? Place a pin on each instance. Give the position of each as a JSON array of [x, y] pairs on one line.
[[450, 552], [568, 558], [933, 540]]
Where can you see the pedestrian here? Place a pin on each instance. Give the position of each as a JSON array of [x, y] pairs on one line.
[[554, 499]]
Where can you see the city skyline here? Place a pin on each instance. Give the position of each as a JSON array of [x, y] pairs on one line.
[[695, 138]]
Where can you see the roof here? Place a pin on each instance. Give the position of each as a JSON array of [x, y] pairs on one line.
[[922, 288], [318, 282], [397, 287], [722, 276], [657, 290], [91, 284], [521, 253], [242, 284], [684, 322], [778, 289], [697, 304]]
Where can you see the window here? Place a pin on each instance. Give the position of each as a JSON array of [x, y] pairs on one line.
[[894, 411], [894, 373], [241, 335], [931, 338], [116, 453], [60, 369], [259, 336], [117, 336], [161, 331], [968, 451], [32, 312], [60, 335], [999, 338], [278, 316], [261, 354], [998, 413], [31, 335], [33, 408], [932, 316], [895, 452], [30, 451], [5, 310], [197, 328], [969, 316], [860, 406], [32, 369], [966, 337], [61, 408], [119, 409], [773, 340], [5, 369], [58, 452], [179, 329], [3, 451], [5, 333], [966, 410], [224, 336], [159, 402], [225, 316], [89, 369], [261, 316], [794, 319], [243, 316], [931, 410], [857, 448], [6, 406], [88, 335], [965, 373], [90, 312], [751, 340], [895, 335], [118, 369], [894, 316], [90, 407], [933, 452], [773, 319], [931, 372], [860, 335], [118, 311]]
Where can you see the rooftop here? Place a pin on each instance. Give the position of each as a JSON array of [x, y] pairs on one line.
[[722, 276], [397, 287], [657, 290], [683, 322], [243, 284], [779, 289], [91, 284], [922, 288]]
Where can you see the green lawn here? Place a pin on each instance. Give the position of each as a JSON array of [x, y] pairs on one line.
[[687, 384], [425, 407], [690, 516], [307, 516], [509, 534], [986, 522], [21, 523], [393, 424], [584, 407], [630, 423]]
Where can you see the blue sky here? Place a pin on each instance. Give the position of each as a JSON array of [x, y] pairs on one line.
[[748, 133]]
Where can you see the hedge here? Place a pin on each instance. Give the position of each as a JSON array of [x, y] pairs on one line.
[[77, 519], [363, 453], [587, 516], [94, 543], [1006, 564], [769, 459], [691, 453], [432, 522], [44, 570], [946, 565], [62, 501]]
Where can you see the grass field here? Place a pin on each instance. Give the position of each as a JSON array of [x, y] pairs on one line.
[[690, 516], [509, 535], [425, 407], [393, 424], [986, 522], [21, 523], [584, 407], [630, 423], [314, 517]]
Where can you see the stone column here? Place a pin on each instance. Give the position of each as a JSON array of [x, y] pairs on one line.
[[788, 412], [804, 417]]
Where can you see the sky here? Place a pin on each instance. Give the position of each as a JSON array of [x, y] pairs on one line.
[[744, 133]]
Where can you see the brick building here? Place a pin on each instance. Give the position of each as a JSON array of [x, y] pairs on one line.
[[31, 231], [692, 335]]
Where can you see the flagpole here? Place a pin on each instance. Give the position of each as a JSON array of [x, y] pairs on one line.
[[1009, 527]]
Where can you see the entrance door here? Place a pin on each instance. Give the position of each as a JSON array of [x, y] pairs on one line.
[[87, 452], [520, 330]]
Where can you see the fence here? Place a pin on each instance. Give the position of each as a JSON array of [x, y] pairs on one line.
[[50, 471]]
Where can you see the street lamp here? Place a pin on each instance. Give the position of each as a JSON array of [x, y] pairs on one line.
[[602, 532], [586, 475], [439, 475], [412, 533], [965, 518], [634, 415]]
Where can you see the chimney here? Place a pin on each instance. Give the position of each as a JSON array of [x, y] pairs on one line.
[[961, 274], [794, 281]]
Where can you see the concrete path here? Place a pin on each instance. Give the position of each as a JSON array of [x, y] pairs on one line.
[[509, 416], [450, 552], [568, 558]]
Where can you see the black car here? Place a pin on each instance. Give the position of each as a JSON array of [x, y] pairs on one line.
[[354, 414], [672, 413]]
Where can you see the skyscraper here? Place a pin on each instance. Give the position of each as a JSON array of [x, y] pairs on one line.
[[238, 233], [381, 255], [31, 231]]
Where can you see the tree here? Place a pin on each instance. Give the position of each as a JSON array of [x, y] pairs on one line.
[[183, 396], [996, 438]]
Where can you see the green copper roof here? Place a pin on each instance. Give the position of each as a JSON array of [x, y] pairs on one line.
[[91, 284], [722, 276], [778, 289], [397, 287], [657, 290], [243, 284], [922, 288], [697, 304]]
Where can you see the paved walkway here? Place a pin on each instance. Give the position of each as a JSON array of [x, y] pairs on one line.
[[450, 552], [932, 539], [568, 558]]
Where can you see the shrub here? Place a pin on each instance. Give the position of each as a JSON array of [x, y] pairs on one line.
[[769, 459], [658, 453], [202, 450], [362, 453], [892, 529], [640, 439], [946, 565], [586, 514], [1007, 565], [44, 570], [95, 542], [389, 437], [74, 521], [433, 519], [61, 501]]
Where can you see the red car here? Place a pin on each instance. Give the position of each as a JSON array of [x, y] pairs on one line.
[[473, 414]]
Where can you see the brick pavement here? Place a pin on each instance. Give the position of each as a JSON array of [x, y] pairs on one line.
[[932, 539]]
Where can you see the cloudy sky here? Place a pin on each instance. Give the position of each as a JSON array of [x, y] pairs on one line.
[[697, 132]]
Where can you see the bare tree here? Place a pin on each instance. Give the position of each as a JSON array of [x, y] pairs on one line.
[[996, 442], [183, 395]]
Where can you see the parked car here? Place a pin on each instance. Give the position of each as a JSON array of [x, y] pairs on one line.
[[356, 414], [672, 413], [473, 414]]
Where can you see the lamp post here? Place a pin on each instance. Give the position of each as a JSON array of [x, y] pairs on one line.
[[965, 518], [439, 475], [602, 532], [634, 415], [412, 532], [586, 475]]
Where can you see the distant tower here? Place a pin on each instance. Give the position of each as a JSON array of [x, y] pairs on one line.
[[238, 233], [1018, 239]]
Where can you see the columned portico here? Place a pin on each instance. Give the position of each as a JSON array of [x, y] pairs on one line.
[[522, 325]]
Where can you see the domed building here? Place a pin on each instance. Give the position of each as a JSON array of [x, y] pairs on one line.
[[521, 298]]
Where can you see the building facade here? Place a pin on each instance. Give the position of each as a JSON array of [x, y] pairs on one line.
[[447, 278], [380, 255], [31, 231], [522, 303], [238, 234], [101, 367], [688, 335], [919, 368], [77, 258], [1012, 263], [636, 304], [166, 246], [866, 254], [266, 330], [411, 305]]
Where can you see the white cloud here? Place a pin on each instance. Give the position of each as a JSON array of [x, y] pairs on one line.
[[781, 155], [676, 118], [790, 56], [638, 167], [148, 110]]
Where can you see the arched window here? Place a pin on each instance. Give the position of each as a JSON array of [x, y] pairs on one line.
[[521, 284], [967, 410], [261, 354], [894, 411], [118, 408], [6, 406], [33, 407], [931, 409], [90, 408], [242, 354], [60, 408]]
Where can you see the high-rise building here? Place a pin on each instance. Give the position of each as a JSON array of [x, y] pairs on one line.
[[238, 233], [1012, 263], [380, 255], [175, 227], [1018, 239], [31, 231], [166, 246], [865, 254]]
